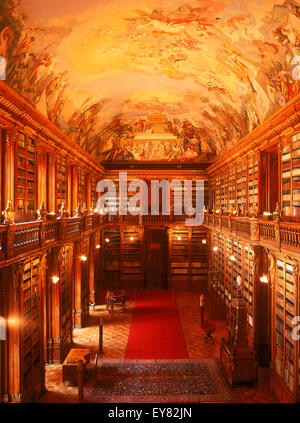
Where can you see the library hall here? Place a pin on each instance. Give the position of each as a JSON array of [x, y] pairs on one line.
[[149, 204]]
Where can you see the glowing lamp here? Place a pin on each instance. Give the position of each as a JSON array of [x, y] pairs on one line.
[[83, 258], [179, 238], [264, 279], [215, 248], [204, 241], [107, 240], [97, 247], [55, 279], [232, 258], [131, 238]]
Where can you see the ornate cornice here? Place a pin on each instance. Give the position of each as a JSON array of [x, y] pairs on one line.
[[17, 109], [281, 123]]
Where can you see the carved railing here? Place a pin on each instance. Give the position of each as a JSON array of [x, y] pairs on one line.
[[17, 238], [267, 231], [279, 234]]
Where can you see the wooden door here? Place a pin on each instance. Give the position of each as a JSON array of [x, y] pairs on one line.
[[156, 259]]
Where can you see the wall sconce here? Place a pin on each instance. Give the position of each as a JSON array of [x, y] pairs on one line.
[[107, 240], [232, 258], [83, 258], [55, 279], [204, 241], [264, 279], [215, 248], [179, 238], [218, 211], [13, 321], [98, 246], [131, 238]]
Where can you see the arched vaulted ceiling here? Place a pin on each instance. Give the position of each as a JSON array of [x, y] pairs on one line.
[[210, 70]]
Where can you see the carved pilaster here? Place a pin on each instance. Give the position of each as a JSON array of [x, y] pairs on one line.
[[254, 230]]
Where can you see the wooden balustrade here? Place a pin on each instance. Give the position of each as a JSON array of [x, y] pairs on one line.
[[279, 234], [17, 238]]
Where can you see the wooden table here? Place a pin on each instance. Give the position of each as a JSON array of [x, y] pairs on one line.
[[69, 367]]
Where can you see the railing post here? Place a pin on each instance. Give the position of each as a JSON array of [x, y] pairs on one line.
[[10, 240], [101, 336], [80, 370]]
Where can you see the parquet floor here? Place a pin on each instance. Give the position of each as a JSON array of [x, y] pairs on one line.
[[115, 341]]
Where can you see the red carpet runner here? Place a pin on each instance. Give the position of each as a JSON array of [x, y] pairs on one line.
[[156, 331]]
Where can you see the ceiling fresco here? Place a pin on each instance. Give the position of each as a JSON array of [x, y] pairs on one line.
[[153, 80]]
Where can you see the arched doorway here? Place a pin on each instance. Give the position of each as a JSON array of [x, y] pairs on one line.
[[156, 259]]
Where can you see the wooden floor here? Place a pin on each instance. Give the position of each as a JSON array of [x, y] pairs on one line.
[[115, 341]]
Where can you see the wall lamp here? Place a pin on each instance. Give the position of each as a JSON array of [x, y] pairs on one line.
[[55, 279]]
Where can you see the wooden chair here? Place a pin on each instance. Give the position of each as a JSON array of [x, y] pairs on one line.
[[117, 298]]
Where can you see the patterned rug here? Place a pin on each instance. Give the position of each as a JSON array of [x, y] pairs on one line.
[[185, 380]]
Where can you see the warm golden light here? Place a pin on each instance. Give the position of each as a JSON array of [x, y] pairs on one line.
[[179, 238], [266, 213], [204, 241], [52, 213], [131, 238], [98, 246], [218, 211], [232, 258], [215, 248], [264, 279], [107, 240], [13, 321], [83, 258], [55, 279]]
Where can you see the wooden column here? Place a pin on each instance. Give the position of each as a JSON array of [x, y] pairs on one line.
[[91, 264], [14, 382], [41, 176], [80, 306], [88, 191], [8, 169]]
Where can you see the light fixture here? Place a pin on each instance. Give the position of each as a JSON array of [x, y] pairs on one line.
[[179, 238], [266, 213], [52, 213], [264, 279], [83, 258], [107, 240], [204, 241], [131, 238], [98, 246], [215, 248], [95, 210], [232, 258], [218, 211], [55, 279]]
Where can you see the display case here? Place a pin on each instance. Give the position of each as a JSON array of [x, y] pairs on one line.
[[25, 186]]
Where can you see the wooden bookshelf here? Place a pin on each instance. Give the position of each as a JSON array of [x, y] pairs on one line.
[[291, 177], [253, 185], [81, 193], [61, 182], [25, 176], [65, 296], [111, 256], [131, 254], [31, 352], [199, 260], [285, 348], [248, 290]]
